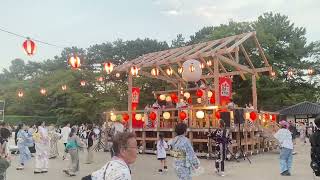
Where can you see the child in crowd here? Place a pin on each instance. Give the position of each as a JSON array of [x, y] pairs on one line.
[[162, 146]]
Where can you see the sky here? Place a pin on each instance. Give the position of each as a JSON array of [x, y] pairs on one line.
[[83, 23]]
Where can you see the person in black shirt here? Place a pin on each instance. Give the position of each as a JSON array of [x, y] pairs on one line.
[[90, 138], [315, 147]]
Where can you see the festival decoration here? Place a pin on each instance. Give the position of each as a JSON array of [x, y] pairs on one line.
[[166, 115], [135, 97], [117, 75], [100, 78], [182, 115], [174, 97], [113, 117], [189, 101], [191, 70], [217, 114], [169, 71], [43, 91], [74, 61], [290, 73], [310, 71], [138, 117], [212, 100], [108, 67], [273, 74], [199, 93], [20, 94], [180, 70], [29, 47], [200, 114], [199, 100], [187, 95], [134, 71], [82, 82], [273, 117], [64, 87], [201, 65], [210, 94], [225, 90], [209, 63], [155, 72], [168, 99], [125, 117], [153, 116], [247, 115], [253, 116], [162, 97]]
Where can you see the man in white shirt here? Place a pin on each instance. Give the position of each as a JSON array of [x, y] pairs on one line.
[[284, 137], [125, 149], [65, 131]]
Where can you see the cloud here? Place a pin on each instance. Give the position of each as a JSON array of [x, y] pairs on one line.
[[171, 12]]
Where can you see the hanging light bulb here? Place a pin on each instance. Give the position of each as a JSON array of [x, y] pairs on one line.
[[43, 91], [209, 63], [290, 73], [192, 68], [273, 74], [64, 87], [20, 94], [155, 72], [180, 70], [117, 75], [169, 71], [108, 67], [82, 82], [134, 71], [310, 71]]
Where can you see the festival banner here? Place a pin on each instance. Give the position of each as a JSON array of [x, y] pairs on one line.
[[225, 90]]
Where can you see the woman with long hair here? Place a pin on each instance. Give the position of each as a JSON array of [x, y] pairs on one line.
[[73, 145], [22, 137], [42, 141]]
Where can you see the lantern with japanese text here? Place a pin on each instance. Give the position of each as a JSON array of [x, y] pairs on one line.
[[191, 70], [74, 61], [29, 47]]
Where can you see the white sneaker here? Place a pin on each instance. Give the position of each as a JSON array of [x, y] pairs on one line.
[[222, 173]]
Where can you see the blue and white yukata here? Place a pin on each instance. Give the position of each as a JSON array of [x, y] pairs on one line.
[[184, 157], [24, 139]]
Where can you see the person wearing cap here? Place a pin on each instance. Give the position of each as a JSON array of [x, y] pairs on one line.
[[284, 137]]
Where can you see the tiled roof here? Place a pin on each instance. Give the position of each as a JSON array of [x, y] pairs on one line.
[[301, 108]]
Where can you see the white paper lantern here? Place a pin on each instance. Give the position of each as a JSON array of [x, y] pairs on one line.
[[138, 117], [187, 95], [199, 100], [162, 97], [166, 115], [113, 117], [168, 99], [200, 114], [210, 94], [191, 70], [247, 115]]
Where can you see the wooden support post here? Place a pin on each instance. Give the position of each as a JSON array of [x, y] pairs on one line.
[[216, 80], [130, 100], [254, 92], [144, 141]]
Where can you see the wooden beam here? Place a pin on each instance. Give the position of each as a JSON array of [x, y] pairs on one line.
[[177, 75], [143, 73], [248, 60], [234, 64], [240, 41], [254, 92], [265, 60], [165, 75], [234, 73], [222, 67], [216, 81], [130, 100], [237, 56]]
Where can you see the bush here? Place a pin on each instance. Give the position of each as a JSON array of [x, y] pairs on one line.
[[29, 120]]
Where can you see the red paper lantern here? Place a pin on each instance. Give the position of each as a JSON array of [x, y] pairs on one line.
[[253, 116], [29, 47], [182, 115], [125, 116], [199, 93], [274, 117], [153, 116], [266, 116], [217, 114], [189, 101], [74, 61], [212, 100]]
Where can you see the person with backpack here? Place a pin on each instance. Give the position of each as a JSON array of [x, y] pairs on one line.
[[72, 147], [315, 147], [162, 146]]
